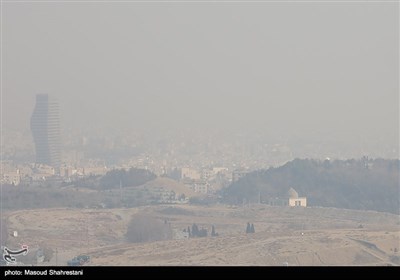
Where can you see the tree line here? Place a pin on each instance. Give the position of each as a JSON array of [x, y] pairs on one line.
[[364, 184]]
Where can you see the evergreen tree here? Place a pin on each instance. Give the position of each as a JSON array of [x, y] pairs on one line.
[[248, 228], [195, 230]]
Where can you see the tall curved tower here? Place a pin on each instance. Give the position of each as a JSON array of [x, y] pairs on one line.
[[45, 127]]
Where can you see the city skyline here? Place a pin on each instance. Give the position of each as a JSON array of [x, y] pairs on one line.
[[198, 133], [315, 79]]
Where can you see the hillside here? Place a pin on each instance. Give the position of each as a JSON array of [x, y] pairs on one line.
[[283, 235], [169, 185], [366, 184]]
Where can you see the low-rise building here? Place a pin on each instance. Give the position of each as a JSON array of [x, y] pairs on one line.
[[12, 177], [295, 200], [190, 173]]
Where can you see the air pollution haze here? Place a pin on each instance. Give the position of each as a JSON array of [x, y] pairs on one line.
[[299, 69], [253, 133]]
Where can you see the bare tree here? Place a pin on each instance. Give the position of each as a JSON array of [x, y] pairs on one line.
[[145, 228]]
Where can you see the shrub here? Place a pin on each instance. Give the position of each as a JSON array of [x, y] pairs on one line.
[[145, 228]]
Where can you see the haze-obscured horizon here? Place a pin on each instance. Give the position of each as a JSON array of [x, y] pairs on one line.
[[306, 71]]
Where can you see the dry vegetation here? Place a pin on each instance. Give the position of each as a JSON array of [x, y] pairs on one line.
[[299, 236], [145, 228], [3, 231]]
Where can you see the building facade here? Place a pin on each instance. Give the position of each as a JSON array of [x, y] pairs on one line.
[[299, 201], [45, 127]]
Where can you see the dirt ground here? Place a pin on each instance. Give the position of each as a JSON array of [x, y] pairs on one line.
[[283, 236]]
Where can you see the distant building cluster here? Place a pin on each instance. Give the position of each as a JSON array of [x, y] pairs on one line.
[[204, 181], [33, 173], [203, 170]]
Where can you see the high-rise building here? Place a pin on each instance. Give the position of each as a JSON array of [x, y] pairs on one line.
[[45, 126]]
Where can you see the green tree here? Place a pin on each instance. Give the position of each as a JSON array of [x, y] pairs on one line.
[[195, 230], [248, 228], [131, 178]]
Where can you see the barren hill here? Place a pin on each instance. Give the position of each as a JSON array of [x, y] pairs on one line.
[[296, 236]]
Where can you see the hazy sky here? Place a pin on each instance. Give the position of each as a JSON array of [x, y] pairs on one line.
[[289, 67]]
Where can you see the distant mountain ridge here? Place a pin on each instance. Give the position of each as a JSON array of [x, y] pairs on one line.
[[364, 184]]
